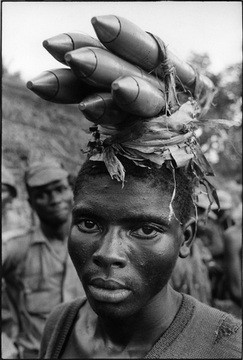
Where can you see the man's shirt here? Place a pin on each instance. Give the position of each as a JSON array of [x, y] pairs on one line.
[[37, 279]]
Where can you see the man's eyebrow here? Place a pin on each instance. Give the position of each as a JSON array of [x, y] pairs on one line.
[[78, 211], [127, 219], [81, 210], [146, 218]]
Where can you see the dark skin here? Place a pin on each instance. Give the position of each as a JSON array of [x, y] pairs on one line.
[[7, 200], [7, 196], [52, 203], [127, 236]]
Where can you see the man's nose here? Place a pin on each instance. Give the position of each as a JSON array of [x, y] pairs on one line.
[[55, 197], [111, 251]]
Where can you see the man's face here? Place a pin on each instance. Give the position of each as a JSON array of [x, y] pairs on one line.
[[7, 196], [123, 244], [52, 202]]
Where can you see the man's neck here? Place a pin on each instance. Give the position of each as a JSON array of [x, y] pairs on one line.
[[155, 318], [56, 231]]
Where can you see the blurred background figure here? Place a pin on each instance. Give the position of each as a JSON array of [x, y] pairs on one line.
[[231, 297], [11, 226], [212, 273], [191, 275], [12, 223], [221, 235], [37, 269]]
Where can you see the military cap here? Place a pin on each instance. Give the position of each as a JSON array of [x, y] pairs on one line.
[[44, 172], [8, 179]]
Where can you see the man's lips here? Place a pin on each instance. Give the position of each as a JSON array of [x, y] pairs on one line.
[[58, 209], [107, 284], [110, 291]]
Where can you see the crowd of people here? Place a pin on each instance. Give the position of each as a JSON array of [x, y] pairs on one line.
[[38, 273]]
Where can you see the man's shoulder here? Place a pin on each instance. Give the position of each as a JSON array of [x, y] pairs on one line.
[[17, 245], [16, 234], [228, 337], [24, 234], [224, 330], [203, 332], [211, 313], [64, 312], [59, 323]]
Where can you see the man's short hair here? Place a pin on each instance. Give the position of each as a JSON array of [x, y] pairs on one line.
[[181, 181]]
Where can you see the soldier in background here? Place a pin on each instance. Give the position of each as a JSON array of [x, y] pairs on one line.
[[36, 266], [212, 273], [10, 226], [192, 276], [228, 297], [222, 237]]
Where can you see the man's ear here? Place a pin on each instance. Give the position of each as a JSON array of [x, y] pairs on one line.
[[189, 234]]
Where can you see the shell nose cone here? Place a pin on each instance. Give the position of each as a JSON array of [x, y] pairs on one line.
[[58, 46], [82, 61], [107, 27], [82, 106], [44, 85], [124, 83], [29, 85], [92, 108], [125, 89], [92, 105]]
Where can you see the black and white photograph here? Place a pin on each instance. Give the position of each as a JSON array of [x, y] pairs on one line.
[[121, 180]]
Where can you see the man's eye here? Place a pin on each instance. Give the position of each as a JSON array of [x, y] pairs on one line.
[[41, 195], [147, 232], [88, 226], [61, 189]]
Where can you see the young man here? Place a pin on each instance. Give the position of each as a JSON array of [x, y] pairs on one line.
[[124, 243], [36, 267], [125, 239]]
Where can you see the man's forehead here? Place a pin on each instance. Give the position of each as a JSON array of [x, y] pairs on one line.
[[107, 195]]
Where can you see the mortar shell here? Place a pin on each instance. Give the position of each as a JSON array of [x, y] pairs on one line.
[[100, 108], [127, 40], [100, 68], [59, 86], [132, 43], [60, 44], [137, 96]]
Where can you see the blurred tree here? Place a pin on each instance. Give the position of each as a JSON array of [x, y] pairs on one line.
[[200, 61], [12, 76], [223, 147]]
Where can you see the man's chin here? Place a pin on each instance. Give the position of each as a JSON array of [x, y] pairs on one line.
[[112, 310]]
